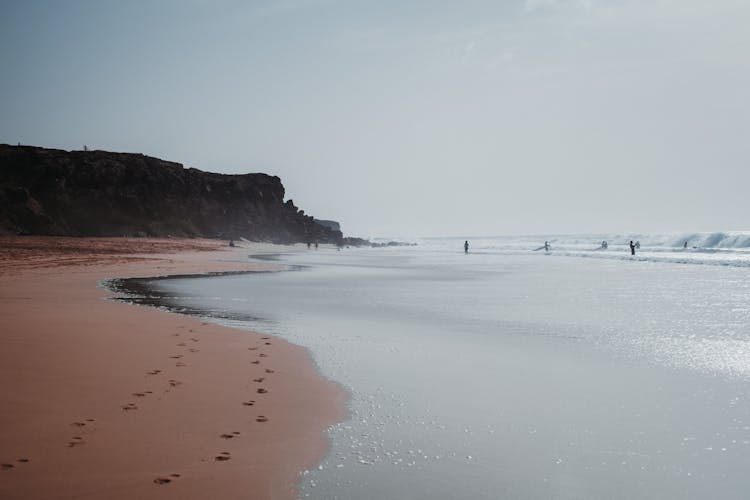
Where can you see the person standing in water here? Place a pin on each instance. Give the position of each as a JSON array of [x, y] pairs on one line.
[[466, 246], [632, 248], [546, 246]]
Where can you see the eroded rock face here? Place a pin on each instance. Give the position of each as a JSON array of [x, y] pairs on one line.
[[100, 193]]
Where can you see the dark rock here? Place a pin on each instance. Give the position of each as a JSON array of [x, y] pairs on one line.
[[100, 193], [331, 224]]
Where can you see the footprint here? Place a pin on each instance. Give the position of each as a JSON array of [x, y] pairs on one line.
[[259, 380], [262, 391], [263, 355], [264, 338], [175, 383], [154, 372], [223, 457], [6, 466], [24, 460], [252, 348], [176, 356], [248, 403], [78, 424], [162, 480], [180, 363], [138, 394], [256, 362], [194, 340], [268, 343], [77, 441], [92, 420], [175, 475], [181, 344], [194, 350], [261, 418], [268, 370], [227, 436], [129, 406]]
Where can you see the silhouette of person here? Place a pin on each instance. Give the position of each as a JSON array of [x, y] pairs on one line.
[[466, 246], [604, 244], [632, 248], [546, 246], [685, 245], [308, 245]]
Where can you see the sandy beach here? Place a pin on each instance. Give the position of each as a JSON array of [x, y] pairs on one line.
[[108, 400]]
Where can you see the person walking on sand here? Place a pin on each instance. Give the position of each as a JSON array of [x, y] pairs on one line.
[[466, 246], [632, 248]]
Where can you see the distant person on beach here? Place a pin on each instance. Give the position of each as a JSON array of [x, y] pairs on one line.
[[466, 246], [231, 243], [316, 245], [632, 248], [637, 244], [546, 246], [685, 245], [308, 245], [604, 244]]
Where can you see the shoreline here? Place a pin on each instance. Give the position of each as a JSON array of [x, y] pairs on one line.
[[103, 400]]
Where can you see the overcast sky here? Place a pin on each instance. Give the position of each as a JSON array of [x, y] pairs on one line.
[[410, 118]]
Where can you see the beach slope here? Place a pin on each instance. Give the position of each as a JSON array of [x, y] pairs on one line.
[[108, 400]]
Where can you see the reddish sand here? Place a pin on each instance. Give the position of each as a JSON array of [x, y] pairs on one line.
[[106, 400]]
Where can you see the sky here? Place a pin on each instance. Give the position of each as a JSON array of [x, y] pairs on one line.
[[409, 118]]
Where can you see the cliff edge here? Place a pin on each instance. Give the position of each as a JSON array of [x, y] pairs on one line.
[[100, 193]]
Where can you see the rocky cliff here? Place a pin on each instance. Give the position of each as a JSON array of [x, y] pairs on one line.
[[100, 193]]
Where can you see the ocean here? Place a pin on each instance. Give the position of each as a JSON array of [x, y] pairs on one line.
[[515, 372]]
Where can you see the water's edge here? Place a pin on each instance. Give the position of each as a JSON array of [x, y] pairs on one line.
[[140, 291]]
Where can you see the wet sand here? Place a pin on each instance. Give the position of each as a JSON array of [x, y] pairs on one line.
[[107, 400]]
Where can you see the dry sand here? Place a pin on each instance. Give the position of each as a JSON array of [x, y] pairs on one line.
[[106, 400]]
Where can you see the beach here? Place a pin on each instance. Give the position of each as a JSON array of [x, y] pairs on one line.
[[102, 399], [514, 373]]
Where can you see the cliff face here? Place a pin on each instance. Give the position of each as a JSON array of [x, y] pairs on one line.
[[99, 193]]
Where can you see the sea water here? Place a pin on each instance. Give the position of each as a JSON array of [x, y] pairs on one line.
[[511, 372]]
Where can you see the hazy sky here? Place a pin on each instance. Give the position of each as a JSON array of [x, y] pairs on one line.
[[409, 118]]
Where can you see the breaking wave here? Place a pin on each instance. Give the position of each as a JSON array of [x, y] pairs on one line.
[[730, 248]]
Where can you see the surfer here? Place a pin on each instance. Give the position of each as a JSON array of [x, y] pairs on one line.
[[466, 246], [632, 248]]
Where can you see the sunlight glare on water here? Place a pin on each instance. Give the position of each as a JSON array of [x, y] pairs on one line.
[[500, 374]]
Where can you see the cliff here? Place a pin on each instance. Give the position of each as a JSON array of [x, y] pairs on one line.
[[100, 193]]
